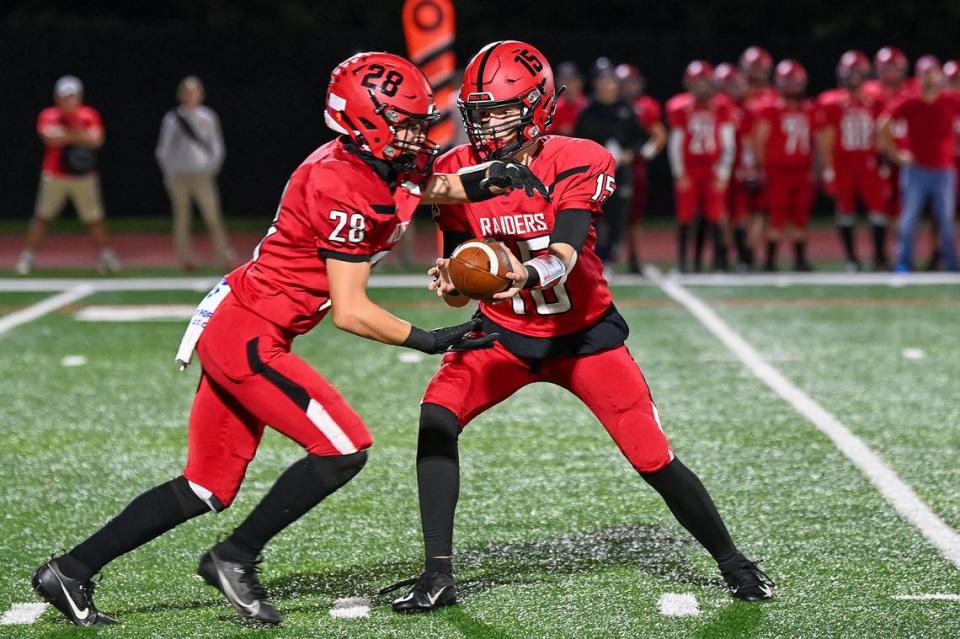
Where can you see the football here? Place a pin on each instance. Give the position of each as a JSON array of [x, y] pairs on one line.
[[479, 267]]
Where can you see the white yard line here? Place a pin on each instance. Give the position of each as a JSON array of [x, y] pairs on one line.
[[14, 285], [673, 604], [41, 308], [22, 613], [894, 489], [937, 597]]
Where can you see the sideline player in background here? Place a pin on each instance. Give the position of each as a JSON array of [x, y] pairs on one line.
[[785, 156], [701, 151], [342, 210], [557, 323], [845, 123], [72, 132], [733, 86], [650, 116], [572, 101]]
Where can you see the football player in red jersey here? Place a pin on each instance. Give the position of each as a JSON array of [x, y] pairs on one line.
[[572, 102], [649, 114], [557, 324], [342, 210], [756, 65], [745, 231], [845, 120], [701, 150], [784, 150]]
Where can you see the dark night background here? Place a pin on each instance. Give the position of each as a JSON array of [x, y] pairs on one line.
[[265, 65]]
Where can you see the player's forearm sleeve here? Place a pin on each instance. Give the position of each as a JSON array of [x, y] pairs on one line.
[[675, 152], [453, 239]]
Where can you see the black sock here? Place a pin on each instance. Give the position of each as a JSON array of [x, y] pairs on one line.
[[301, 487], [690, 503], [145, 518], [846, 236], [438, 482], [800, 253], [740, 241], [719, 246], [880, 244], [699, 238], [683, 234], [772, 254]]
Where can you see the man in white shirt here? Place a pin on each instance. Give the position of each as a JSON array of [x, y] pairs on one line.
[[190, 152]]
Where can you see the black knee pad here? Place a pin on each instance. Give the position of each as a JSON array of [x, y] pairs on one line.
[[439, 431], [334, 472]]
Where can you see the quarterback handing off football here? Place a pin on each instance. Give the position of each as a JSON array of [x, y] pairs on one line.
[[479, 267]]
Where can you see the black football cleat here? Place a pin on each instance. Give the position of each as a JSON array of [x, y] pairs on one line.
[[745, 580], [72, 597], [430, 591], [240, 584]]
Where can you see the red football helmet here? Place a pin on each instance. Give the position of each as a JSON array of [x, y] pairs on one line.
[[631, 80], [756, 62], [729, 80], [951, 71], [503, 74], [372, 97], [698, 79], [853, 68], [891, 65], [926, 63], [790, 78]]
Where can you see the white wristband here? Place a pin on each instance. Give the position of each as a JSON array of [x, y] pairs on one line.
[[649, 150], [549, 267]]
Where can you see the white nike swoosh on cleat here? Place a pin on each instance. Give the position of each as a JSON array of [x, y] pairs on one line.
[[767, 590], [251, 608], [433, 599], [79, 614]]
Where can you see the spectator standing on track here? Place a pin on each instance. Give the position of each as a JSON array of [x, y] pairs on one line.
[[72, 132], [650, 116], [611, 122], [927, 161], [190, 152]]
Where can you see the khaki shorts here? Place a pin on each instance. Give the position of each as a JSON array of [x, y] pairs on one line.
[[84, 191]]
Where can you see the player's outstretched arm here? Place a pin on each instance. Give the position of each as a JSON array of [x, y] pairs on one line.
[[546, 271], [482, 182], [356, 313]]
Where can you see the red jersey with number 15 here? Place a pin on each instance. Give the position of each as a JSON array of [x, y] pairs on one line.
[[579, 174], [335, 206]]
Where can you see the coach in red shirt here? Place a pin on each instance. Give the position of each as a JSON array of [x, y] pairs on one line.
[[927, 161]]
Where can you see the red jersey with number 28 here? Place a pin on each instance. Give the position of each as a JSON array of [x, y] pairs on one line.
[[335, 206], [579, 174]]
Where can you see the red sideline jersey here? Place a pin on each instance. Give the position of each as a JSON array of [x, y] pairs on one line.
[[853, 117], [648, 111], [334, 206], [700, 123], [789, 145], [580, 176]]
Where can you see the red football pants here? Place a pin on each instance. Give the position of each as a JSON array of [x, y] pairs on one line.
[[790, 194], [701, 194], [608, 382], [250, 379], [860, 181]]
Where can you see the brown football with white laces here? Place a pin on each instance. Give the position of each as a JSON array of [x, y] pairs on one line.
[[479, 267]]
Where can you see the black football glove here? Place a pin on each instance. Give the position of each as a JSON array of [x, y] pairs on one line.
[[449, 338], [511, 175]]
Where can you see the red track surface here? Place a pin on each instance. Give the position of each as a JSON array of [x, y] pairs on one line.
[[138, 250]]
